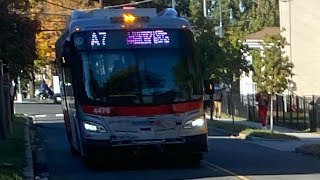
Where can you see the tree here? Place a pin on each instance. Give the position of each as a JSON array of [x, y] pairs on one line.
[[17, 34], [52, 17], [264, 14], [272, 70], [221, 59]]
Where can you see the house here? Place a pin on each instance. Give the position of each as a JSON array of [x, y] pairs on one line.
[[254, 41]]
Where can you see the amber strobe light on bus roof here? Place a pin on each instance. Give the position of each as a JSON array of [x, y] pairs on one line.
[[129, 18]]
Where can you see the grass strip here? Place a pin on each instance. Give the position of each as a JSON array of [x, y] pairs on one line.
[[12, 152], [250, 131]]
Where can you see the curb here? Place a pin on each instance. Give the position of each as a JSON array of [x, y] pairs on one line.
[[252, 138], [28, 170], [227, 132], [221, 131]]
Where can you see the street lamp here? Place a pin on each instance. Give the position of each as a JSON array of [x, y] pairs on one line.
[[242, 7], [218, 29]]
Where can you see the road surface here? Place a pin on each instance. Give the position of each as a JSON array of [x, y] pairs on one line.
[[228, 158]]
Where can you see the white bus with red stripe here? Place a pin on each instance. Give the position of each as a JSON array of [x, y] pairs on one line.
[[131, 79]]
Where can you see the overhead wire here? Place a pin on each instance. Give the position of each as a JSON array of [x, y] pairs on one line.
[[129, 4], [58, 5]]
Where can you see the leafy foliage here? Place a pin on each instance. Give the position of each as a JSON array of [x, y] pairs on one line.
[[17, 35], [221, 59], [52, 17], [264, 14], [272, 69]]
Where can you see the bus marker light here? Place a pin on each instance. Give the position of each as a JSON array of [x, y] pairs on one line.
[[129, 18], [128, 7]]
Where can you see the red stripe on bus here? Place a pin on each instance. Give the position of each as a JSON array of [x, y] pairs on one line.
[[143, 110]]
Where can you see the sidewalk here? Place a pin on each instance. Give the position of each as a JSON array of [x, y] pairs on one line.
[[33, 101], [306, 137]]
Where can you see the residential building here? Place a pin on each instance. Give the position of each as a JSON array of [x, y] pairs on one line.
[[300, 25], [254, 41]]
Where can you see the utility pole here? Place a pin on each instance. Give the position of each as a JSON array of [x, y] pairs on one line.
[[101, 3], [2, 129], [173, 4], [220, 9], [205, 8]]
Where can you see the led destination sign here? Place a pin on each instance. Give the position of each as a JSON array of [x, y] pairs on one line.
[[132, 38], [118, 39], [148, 37]]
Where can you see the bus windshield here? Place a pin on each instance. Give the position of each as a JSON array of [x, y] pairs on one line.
[[138, 76]]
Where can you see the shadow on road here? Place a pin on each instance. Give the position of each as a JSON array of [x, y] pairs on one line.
[[140, 163], [239, 156]]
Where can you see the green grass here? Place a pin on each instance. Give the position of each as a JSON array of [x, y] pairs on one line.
[[311, 149], [236, 128], [12, 152], [250, 131], [268, 135]]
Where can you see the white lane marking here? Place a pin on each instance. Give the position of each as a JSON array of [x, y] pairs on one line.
[[41, 115], [48, 121], [59, 115], [214, 167]]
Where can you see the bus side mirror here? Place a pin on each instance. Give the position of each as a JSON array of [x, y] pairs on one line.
[[67, 54]]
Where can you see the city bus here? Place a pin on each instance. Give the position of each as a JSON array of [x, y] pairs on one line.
[[130, 79]]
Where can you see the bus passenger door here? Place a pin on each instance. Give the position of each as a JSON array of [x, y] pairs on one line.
[[70, 118]]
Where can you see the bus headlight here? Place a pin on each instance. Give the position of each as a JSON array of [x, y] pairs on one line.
[[93, 127], [198, 122]]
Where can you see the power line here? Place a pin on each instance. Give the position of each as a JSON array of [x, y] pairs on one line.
[[129, 4], [58, 5], [50, 30], [107, 7], [56, 21], [52, 13], [75, 1]]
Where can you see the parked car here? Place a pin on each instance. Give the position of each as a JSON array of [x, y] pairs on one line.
[[56, 98]]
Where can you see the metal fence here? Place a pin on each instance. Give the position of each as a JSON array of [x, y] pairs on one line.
[[291, 111]]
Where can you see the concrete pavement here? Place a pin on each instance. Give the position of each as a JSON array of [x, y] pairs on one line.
[[290, 145]]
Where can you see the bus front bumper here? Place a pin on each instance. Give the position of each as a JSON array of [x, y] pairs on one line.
[[192, 144]]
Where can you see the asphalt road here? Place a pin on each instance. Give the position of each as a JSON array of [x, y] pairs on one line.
[[228, 158], [38, 109]]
